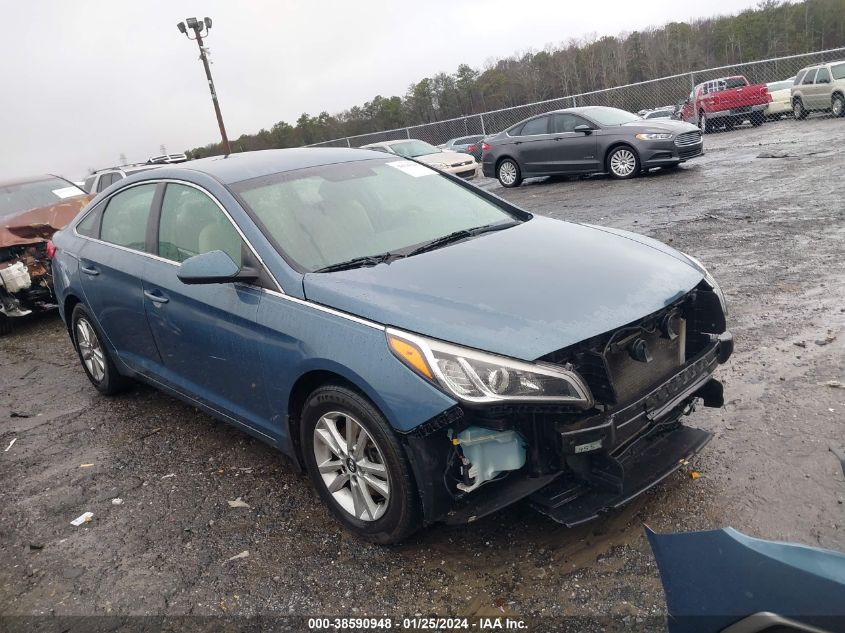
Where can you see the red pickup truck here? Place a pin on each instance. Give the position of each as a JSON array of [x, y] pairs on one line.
[[726, 102]]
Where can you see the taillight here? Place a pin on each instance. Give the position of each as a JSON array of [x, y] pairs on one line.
[[51, 249], [485, 147], [472, 148]]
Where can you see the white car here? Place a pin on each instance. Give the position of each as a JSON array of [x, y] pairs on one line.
[[781, 103], [455, 163]]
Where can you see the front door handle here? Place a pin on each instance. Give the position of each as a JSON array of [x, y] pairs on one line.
[[89, 270], [155, 296]]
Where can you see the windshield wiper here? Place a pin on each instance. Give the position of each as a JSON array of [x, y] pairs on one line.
[[458, 236], [361, 262]]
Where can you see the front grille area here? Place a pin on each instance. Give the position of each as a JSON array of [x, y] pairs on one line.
[[631, 378], [688, 138], [466, 174], [461, 164], [689, 153]]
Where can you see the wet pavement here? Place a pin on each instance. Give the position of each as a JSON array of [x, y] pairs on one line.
[[771, 230]]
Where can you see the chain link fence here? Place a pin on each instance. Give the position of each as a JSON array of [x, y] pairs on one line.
[[666, 93]]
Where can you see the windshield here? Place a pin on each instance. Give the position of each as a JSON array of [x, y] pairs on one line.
[[610, 116], [838, 71], [19, 197], [326, 215], [412, 149]]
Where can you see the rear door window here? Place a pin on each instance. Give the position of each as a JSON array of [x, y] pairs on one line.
[[540, 125], [192, 223], [125, 219], [823, 76]]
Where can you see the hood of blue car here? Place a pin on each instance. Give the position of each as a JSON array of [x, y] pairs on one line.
[[522, 292]]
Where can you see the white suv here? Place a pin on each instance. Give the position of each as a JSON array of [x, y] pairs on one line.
[[820, 87], [100, 180]]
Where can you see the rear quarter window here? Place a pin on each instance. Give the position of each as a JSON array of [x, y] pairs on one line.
[[799, 77], [125, 219]]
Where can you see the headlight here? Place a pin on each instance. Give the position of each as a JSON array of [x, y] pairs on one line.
[[711, 281], [475, 376], [654, 136], [438, 165]]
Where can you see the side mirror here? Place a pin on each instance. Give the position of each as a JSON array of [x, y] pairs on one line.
[[213, 267], [586, 129]]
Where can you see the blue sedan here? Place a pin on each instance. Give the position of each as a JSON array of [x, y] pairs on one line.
[[424, 350]]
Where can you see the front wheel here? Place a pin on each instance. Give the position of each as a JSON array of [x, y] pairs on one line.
[[358, 466], [508, 173], [623, 163], [798, 110], [96, 361], [837, 105]]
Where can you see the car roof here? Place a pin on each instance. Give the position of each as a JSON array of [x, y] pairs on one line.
[[245, 165], [394, 142]]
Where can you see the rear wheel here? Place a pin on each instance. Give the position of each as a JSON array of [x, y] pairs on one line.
[[508, 173], [94, 356], [358, 466], [798, 110], [837, 105], [757, 119], [623, 162]]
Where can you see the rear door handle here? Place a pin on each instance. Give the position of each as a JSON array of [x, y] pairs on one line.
[[155, 296], [89, 270]]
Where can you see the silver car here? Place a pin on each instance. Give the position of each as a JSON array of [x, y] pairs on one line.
[[820, 87], [455, 163]]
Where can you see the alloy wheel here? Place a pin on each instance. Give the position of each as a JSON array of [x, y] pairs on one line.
[[90, 350], [702, 123], [623, 162], [507, 173], [352, 466]]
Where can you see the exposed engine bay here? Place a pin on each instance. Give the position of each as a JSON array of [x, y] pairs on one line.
[[26, 279], [644, 378]]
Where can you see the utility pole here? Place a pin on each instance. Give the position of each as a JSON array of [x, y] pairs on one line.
[[197, 27]]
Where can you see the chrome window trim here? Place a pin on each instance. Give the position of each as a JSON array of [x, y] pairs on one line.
[[328, 310], [163, 259]]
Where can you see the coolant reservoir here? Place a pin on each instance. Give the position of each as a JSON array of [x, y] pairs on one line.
[[15, 277], [490, 453]]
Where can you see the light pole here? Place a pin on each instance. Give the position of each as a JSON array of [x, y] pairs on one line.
[[197, 27]]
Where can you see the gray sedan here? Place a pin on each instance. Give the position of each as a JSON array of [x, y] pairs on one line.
[[588, 140]]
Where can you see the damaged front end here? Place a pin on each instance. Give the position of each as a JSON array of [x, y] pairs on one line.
[[575, 455], [26, 275], [26, 279]]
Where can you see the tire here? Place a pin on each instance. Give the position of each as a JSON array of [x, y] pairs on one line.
[[798, 111], [508, 173], [376, 497], [94, 356], [5, 325], [623, 163], [837, 105], [757, 119], [704, 123], [729, 125]]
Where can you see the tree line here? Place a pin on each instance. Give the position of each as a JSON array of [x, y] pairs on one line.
[[774, 28]]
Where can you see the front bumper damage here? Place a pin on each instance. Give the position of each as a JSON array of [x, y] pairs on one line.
[[579, 464], [26, 280]]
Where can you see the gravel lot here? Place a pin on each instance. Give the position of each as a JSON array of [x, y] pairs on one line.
[[770, 229]]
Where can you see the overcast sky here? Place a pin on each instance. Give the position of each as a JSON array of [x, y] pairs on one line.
[[85, 81]]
